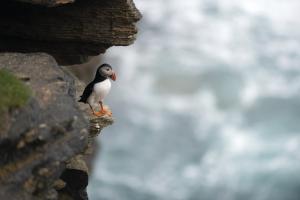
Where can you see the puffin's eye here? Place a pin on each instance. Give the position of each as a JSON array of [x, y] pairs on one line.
[[107, 69]]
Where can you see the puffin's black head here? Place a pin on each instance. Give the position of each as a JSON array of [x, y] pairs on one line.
[[105, 70]]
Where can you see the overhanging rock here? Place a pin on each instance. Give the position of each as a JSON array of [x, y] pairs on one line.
[[80, 29]]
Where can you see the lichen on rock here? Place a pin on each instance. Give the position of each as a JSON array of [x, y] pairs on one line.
[[13, 92]]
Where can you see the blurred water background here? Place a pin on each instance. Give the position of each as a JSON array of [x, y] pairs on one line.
[[206, 104]]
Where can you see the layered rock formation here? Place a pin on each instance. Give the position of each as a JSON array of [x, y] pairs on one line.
[[49, 3], [77, 30], [43, 144]]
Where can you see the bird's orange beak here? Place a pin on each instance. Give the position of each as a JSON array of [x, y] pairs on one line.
[[113, 76]]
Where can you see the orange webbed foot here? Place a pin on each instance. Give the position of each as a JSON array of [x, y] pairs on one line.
[[107, 111], [100, 113], [104, 111]]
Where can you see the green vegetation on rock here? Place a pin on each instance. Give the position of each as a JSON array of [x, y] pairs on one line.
[[13, 93]]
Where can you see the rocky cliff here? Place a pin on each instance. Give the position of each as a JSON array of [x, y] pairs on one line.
[[70, 31], [44, 141]]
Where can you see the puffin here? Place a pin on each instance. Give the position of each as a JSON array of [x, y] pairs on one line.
[[95, 92]]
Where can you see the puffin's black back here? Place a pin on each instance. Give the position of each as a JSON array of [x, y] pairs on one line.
[[89, 88], [87, 92]]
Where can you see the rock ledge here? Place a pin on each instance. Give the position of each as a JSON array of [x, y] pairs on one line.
[[47, 137]]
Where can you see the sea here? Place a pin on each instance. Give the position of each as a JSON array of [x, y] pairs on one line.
[[206, 104]]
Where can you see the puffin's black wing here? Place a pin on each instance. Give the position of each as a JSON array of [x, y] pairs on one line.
[[87, 92]]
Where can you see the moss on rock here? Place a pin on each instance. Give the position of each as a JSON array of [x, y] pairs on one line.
[[13, 92]]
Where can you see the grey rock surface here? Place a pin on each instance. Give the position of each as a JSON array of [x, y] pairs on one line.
[[45, 137]]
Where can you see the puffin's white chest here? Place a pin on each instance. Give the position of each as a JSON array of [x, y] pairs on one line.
[[100, 91]]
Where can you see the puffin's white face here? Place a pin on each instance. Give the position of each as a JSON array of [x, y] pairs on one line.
[[107, 71]]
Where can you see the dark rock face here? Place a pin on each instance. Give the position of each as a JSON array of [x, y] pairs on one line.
[[44, 139], [76, 183], [77, 30], [49, 3]]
